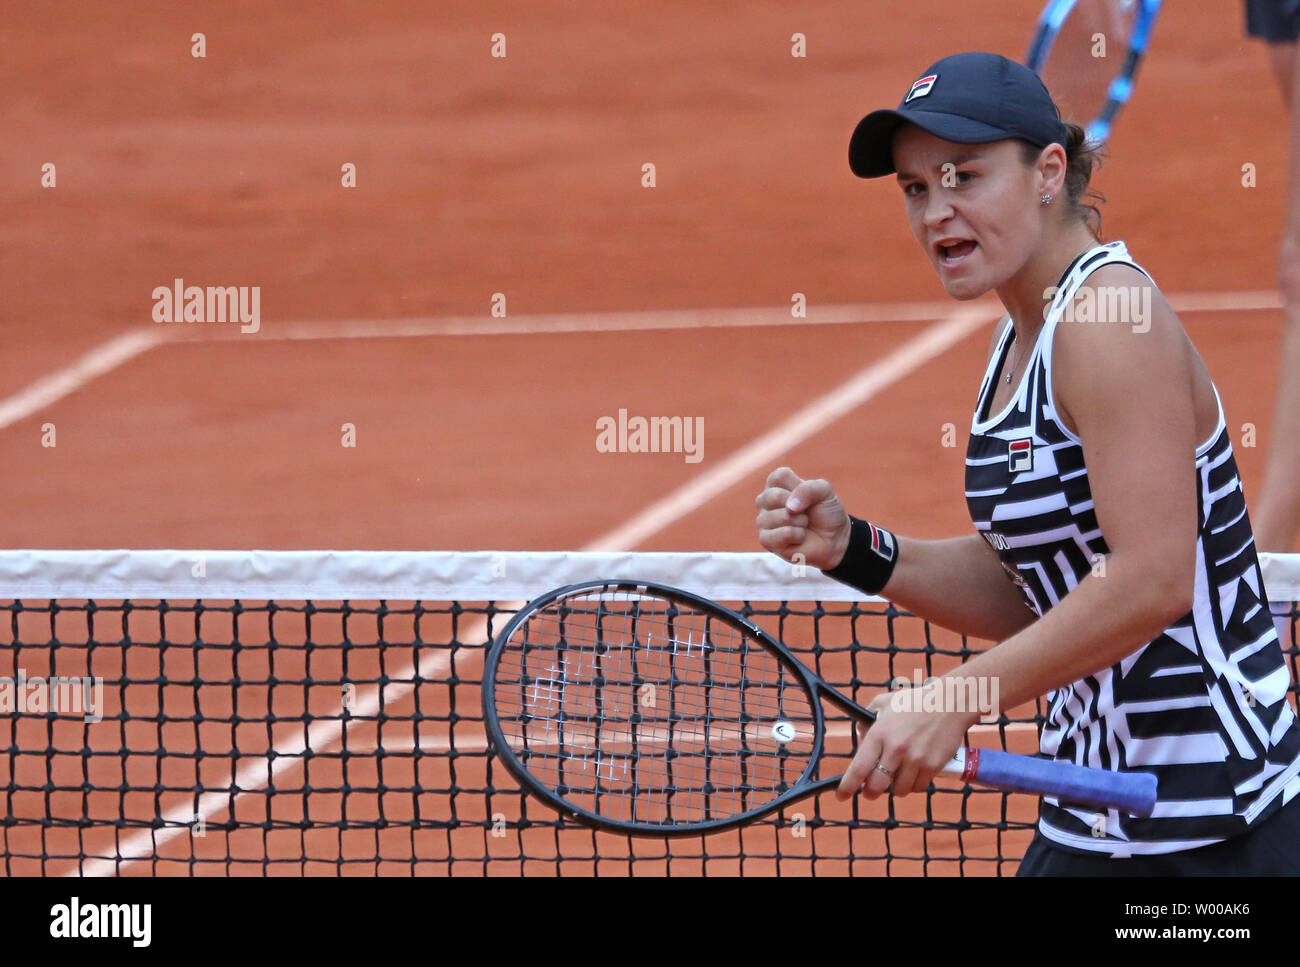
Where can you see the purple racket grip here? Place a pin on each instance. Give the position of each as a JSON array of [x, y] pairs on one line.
[[1133, 792]]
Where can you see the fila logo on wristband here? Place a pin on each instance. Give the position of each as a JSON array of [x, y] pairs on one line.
[[869, 559], [1020, 455], [882, 542]]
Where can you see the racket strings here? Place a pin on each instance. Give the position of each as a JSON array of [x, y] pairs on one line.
[[645, 710]]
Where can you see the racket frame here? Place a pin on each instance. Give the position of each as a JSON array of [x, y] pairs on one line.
[[1120, 88], [816, 689]]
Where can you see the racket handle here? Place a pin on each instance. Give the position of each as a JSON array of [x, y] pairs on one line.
[[1133, 792]]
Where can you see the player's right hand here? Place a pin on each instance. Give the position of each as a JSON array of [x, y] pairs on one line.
[[802, 521]]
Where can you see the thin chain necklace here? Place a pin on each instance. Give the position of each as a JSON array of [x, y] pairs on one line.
[[1016, 343]]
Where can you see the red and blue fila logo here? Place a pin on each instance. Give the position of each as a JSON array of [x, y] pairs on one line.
[[921, 87], [1020, 455], [882, 542]]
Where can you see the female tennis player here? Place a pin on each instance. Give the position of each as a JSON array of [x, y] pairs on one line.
[[1113, 560]]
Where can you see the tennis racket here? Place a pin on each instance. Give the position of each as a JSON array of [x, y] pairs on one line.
[[644, 709], [1087, 52]]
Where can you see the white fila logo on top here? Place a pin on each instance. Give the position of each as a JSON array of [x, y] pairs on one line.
[[921, 87], [1020, 455]]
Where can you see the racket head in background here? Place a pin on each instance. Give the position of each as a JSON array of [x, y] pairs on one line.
[[648, 710], [1087, 53]]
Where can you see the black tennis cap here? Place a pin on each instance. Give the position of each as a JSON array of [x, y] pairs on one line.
[[969, 98]]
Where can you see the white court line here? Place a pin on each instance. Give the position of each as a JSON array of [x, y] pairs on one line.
[[666, 319], [128, 345], [644, 320], [102, 359], [320, 734], [1224, 301]]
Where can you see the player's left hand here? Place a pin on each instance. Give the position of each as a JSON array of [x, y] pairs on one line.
[[912, 744]]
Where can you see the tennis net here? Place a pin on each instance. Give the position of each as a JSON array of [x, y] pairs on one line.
[[289, 713]]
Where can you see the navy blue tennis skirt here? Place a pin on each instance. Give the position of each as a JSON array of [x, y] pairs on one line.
[[1270, 849], [1277, 21]]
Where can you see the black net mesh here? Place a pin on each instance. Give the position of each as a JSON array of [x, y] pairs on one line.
[[346, 738]]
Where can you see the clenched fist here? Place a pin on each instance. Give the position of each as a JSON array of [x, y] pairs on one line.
[[802, 518]]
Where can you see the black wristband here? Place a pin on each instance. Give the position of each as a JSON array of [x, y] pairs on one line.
[[870, 558]]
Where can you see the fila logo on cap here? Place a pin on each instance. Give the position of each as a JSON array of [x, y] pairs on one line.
[[921, 87], [1020, 455]]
